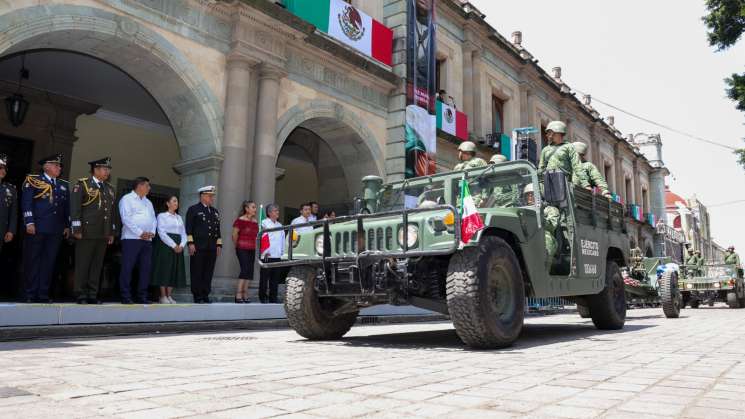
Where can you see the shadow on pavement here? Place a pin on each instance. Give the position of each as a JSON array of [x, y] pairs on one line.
[[533, 335], [36, 344]]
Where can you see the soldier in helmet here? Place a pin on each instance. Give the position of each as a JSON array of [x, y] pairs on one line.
[[694, 262], [562, 156], [732, 258], [467, 157], [590, 172], [497, 158], [8, 205], [551, 216]]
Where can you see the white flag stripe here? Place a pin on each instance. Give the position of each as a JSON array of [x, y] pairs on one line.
[[346, 31], [448, 118]]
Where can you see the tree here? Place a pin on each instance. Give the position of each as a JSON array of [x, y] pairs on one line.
[[726, 24]]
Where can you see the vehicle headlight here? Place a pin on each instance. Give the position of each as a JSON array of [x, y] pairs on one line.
[[319, 244], [412, 236], [717, 285], [689, 286]]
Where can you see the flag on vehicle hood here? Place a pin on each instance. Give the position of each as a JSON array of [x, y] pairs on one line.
[[348, 25], [470, 222]]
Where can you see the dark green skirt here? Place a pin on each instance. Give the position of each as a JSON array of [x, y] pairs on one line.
[[169, 267]]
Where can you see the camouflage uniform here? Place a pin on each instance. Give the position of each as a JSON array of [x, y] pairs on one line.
[[732, 258], [693, 263], [565, 158], [551, 215], [473, 163], [595, 178]]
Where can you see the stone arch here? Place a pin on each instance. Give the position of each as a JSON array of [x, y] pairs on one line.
[[194, 112], [352, 142]]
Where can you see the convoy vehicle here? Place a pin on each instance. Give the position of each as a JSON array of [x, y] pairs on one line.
[[711, 283], [654, 280], [404, 246]]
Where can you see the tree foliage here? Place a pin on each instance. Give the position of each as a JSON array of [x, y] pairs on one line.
[[726, 24]]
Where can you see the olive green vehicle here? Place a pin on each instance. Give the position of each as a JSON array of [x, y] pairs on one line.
[[404, 247], [711, 283], [655, 280]]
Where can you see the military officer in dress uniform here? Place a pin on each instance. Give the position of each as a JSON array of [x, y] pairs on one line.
[[8, 205], [93, 226], [46, 214], [205, 244]]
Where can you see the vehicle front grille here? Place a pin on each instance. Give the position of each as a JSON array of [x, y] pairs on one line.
[[377, 239]]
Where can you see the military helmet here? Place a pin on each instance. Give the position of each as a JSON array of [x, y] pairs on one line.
[[528, 188], [731, 248], [557, 126], [467, 147], [497, 158], [580, 147]]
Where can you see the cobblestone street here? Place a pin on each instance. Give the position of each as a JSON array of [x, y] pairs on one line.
[[561, 367]]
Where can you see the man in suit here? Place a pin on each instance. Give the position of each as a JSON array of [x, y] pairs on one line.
[[93, 227], [205, 243], [8, 205], [46, 214]]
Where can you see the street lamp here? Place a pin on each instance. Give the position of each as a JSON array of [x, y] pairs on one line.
[[16, 106]]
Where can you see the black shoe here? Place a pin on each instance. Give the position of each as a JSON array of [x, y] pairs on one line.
[[206, 300], [81, 300], [246, 301], [29, 301], [95, 301], [127, 301], [44, 301]]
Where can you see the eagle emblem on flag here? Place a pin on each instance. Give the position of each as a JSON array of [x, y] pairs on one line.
[[350, 22]]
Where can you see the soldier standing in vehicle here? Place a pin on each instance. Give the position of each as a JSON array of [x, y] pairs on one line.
[[93, 227], [46, 214], [467, 157], [732, 258], [693, 263], [551, 216], [8, 205], [561, 155], [590, 171]]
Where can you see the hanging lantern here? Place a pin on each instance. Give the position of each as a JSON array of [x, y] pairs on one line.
[[17, 107]]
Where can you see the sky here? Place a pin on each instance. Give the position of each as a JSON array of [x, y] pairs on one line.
[[650, 58]]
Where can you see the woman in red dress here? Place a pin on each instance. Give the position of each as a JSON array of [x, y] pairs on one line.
[[245, 229]]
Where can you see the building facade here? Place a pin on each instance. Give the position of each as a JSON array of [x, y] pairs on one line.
[[245, 95]]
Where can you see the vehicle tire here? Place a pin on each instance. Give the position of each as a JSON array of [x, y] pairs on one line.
[[670, 295], [732, 300], [486, 294], [711, 303], [584, 311], [695, 303], [311, 317], [608, 308]]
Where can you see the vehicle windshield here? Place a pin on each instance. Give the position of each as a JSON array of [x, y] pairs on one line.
[[394, 198], [718, 271], [497, 189]]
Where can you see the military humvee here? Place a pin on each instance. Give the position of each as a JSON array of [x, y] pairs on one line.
[[712, 283], [655, 280], [404, 247]]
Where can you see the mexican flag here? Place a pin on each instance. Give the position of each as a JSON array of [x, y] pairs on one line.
[[264, 245], [470, 222], [348, 25], [452, 121]]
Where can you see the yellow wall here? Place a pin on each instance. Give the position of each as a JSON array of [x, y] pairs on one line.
[[134, 151]]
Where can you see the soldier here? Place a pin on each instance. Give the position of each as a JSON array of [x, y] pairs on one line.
[[590, 172], [560, 155], [205, 243], [93, 226], [8, 205], [497, 158], [551, 217], [693, 262], [46, 213], [467, 157], [732, 258]]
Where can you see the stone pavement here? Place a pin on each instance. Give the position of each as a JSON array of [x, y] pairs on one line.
[[562, 366]]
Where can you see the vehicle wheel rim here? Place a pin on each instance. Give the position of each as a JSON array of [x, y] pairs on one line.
[[501, 293]]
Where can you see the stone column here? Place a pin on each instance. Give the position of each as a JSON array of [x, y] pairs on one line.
[[620, 181], [468, 87], [265, 148], [637, 185], [232, 189], [478, 126]]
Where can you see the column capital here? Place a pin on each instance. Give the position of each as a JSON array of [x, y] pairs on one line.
[[237, 59], [203, 164], [271, 72]]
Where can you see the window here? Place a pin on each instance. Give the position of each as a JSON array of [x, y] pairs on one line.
[[497, 111], [645, 202], [608, 172], [629, 193], [440, 75], [544, 139]]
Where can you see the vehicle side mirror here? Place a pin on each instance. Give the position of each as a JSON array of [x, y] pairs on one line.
[[555, 188]]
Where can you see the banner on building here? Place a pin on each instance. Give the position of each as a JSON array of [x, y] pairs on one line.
[[347, 24], [421, 122], [421, 142], [452, 120]]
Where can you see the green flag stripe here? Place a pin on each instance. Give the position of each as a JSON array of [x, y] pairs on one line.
[[438, 112], [313, 11]]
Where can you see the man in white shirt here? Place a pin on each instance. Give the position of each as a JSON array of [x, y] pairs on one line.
[[270, 279], [314, 209], [304, 218], [138, 229]]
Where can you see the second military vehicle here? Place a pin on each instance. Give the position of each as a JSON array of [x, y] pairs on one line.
[[405, 247], [711, 283]]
